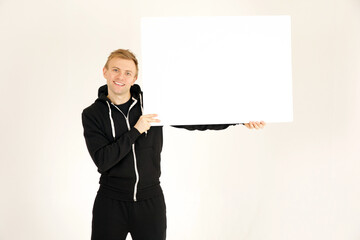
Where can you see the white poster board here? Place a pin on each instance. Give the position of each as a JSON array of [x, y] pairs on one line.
[[214, 70]]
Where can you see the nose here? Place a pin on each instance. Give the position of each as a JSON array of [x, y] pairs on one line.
[[120, 75]]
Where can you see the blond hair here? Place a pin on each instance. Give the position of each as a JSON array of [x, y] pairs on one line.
[[123, 54]]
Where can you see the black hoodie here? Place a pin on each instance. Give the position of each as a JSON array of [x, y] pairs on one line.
[[129, 162]]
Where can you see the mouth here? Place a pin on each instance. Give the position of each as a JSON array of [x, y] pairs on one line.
[[119, 84]]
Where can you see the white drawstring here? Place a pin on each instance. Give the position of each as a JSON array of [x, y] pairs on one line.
[[111, 120], [141, 104]]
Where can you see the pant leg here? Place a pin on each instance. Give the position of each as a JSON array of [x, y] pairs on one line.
[[148, 219], [110, 219]]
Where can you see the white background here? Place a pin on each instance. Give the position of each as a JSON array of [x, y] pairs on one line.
[[295, 180]]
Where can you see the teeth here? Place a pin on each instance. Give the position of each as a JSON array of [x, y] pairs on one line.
[[120, 84]]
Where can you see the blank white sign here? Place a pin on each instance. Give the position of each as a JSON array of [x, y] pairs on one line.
[[214, 70]]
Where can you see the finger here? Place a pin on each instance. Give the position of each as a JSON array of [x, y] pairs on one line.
[[149, 118], [251, 126], [153, 120], [149, 115], [263, 123]]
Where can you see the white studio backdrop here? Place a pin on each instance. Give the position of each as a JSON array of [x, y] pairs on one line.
[[296, 180]]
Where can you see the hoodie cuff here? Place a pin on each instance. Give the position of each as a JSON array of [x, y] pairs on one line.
[[134, 134]]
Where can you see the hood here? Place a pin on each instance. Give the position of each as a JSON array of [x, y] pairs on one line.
[[135, 92]]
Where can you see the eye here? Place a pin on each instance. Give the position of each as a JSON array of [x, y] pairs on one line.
[[115, 70], [128, 73]]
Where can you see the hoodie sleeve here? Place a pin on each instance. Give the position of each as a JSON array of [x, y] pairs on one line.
[[206, 127], [106, 154]]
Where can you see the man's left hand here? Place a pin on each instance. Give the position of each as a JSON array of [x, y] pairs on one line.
[[255, 125]]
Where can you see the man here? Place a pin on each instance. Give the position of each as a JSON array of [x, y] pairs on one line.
[[126, 151]]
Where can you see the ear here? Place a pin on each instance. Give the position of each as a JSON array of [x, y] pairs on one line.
[[135, 78], [104, 71]]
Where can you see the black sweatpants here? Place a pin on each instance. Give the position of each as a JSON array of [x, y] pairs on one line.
[[114, 219]]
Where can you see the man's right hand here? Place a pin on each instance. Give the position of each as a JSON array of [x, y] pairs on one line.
[[144, 122]]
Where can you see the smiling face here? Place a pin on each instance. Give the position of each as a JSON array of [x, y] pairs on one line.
[[120, 75]]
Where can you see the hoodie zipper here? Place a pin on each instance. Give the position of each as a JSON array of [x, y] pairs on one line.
[[133, 145]]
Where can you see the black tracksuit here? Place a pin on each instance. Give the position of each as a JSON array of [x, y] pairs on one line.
[[130, 198]]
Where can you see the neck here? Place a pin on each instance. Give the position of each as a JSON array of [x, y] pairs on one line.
[[119, 99]]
